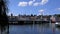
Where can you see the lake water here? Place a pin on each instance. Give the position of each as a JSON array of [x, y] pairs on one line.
[[34, 29]]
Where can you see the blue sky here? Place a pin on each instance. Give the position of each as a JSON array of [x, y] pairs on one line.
[[35, 7]]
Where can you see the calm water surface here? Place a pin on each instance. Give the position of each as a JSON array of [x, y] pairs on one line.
[[34, 29]]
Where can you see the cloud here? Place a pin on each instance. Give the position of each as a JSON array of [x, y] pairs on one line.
[[33, 3], [36, 4], [39, 14], [22, 4], [41, 10], [58, 8], [43, 2], [26, 3], [30, 2]]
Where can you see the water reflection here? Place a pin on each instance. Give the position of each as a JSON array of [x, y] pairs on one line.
[[4, 30], [33, 29]]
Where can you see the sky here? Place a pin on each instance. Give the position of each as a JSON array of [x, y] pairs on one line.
[[35, 7]]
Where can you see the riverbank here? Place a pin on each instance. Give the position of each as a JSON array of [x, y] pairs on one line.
[[28, 22]]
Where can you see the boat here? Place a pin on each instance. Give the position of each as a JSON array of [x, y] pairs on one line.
[[57, 24]]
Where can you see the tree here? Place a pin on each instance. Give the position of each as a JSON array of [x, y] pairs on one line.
[[31, 14], [3, 14]]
